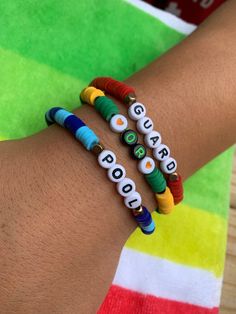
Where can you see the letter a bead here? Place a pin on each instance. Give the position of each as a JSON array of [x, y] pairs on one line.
[[126, 187], [118, 123], [107, 159], [152, 139], [133, 201], [136, 111]]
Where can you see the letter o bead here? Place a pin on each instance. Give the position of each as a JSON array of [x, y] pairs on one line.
[[169, 165], [136, 111], [118, 123], [116, 173], [133, 201], [126, 187], [129, 137], [106, 159], [145, 125]]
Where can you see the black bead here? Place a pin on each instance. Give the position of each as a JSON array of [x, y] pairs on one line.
[[129, 137], [138, 151]]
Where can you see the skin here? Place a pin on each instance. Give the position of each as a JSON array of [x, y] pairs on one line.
[[63, 224]]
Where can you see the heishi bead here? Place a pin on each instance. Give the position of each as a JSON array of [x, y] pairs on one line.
[[118, 123], [61, 115], [87, 137], [106, 107], [175, 185], [144, 219], [126, 187], [156, 181], [72, 124], [136, 111], [116, 173], [89, 94], [146, 165], [129, 137], [169, 165], [162, 152], [152, 139], [107, 159], [145, 125], [165, 202], [133, 201], [49, 116], [138, 151]]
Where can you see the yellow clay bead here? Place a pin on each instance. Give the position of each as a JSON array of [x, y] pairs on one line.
[[89, 94], [165, 201]]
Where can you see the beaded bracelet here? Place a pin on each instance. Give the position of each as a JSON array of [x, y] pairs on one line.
[[119, 124], [152, 138], [107, 160]]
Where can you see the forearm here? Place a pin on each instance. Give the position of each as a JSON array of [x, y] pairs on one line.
[[190, 92], [63, 224]]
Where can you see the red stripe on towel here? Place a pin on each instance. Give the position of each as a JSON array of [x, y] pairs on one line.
[[120, 300]]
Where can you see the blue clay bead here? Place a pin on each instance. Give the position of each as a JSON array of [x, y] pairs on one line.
[[73, 123], [61, 115], [87, 137]]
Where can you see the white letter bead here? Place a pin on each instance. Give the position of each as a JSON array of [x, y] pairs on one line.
[[126, 187], [118, 123], [145, 125], [136, 111], [162, 152], [169, 165], [133, 201], [106, 159], [117, 173], [146, 165], [152, 139]]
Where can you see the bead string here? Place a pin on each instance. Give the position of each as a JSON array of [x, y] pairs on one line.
[[107, 160], [152, 138], [119, 124]]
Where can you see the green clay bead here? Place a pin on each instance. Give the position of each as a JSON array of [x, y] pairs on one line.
[[106, 107], [156, 180]]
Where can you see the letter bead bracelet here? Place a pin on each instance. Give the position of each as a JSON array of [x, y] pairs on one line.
[[145, 126], [119, 124], [107, 160]]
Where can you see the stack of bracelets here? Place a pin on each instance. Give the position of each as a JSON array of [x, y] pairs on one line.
[[166, 183]]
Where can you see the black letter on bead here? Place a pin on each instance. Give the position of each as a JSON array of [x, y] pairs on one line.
[[135, 200], [117, 173], [108, 158], [127, 188], [154, 139], [164, 152], [138, 109], [171, 165], [146, 124]]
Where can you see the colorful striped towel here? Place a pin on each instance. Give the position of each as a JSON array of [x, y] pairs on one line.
[[51, 49]]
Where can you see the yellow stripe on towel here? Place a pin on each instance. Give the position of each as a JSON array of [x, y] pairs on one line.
[[189, 236]]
